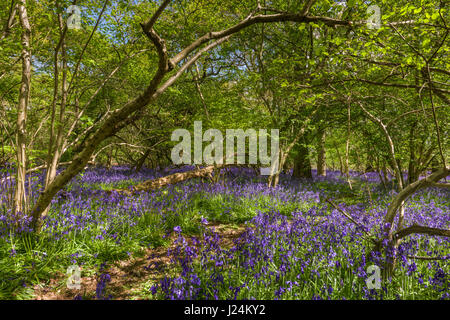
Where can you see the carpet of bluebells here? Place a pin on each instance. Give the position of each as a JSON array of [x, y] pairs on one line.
[[295, 245]]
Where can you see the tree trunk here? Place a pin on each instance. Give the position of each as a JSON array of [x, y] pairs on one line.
[[341, 163], [302, 164], [55, 143], [321, 163], [434, 164], [412, 165], [385, 172], [393, 160], [200, 93], [9, 22], [347, 148], [20, 197], [110, 157], [378, 170], [273, 179], [333, 165], [276, 176]]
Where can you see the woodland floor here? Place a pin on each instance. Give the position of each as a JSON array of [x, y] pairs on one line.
[[128, 276]]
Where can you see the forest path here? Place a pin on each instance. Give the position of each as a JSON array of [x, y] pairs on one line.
[[131, 277]]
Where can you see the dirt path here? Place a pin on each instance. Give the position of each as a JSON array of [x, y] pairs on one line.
[[128, 276]]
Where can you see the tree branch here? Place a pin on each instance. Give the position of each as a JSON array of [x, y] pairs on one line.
[[250, 20], [149, 24], [421, 230], [411, 189], [10, 21], [85, 46], [307, 7]]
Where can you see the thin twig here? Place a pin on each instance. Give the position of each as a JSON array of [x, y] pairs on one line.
[[352, 220]]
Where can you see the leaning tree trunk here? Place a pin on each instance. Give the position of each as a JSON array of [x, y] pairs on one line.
[[321, 164], [20, 197]]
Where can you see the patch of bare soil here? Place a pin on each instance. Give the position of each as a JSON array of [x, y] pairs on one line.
[[128, 275]]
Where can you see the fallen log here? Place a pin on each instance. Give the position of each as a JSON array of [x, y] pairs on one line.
[[154, 184], [157, 183]]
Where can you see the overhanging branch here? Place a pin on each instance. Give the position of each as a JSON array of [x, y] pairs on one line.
[[250, 20]]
